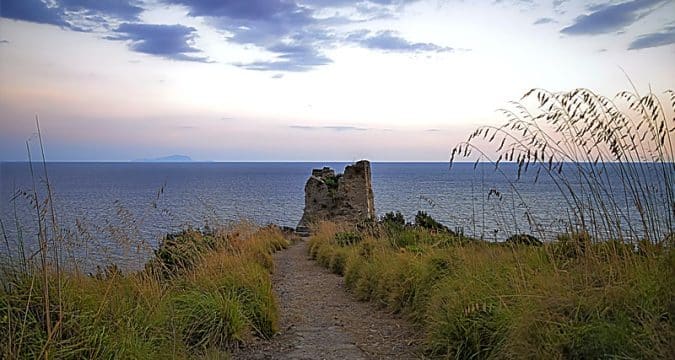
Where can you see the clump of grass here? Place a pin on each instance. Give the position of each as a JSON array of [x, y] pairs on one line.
[[347, 238], [211, 319]]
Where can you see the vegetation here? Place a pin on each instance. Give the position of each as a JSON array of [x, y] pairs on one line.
[[332, 181], [423, 220], [612, 160], [393, 218], [203, 292], [571, 298], [603, 290], [524, 239]]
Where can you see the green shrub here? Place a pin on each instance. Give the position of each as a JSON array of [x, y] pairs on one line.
[[423, 220], [393, 218], [523, 239]]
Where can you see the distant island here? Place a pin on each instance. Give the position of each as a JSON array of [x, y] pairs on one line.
[[170, 158]]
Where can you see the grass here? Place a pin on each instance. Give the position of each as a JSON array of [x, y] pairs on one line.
[[473, 299], [216, 296]]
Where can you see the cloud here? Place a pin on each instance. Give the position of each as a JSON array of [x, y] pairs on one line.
[[34, 11], [390, 41], [661, 38], [608, 17], [167, 41], [286, 29], [4, 41], [296, 33], [433, 130], [331, 127], [71, 14], [120, 9], [343, 3], [369, 9], [520, 3], [558, 6], [290, 57], [239, 9], [544, 20]]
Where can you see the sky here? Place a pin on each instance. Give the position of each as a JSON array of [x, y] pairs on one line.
[[304, 80]]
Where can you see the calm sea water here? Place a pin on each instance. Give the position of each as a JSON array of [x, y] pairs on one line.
[[101, 203]]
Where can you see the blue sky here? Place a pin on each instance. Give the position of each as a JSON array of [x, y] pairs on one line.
[[321, 80]]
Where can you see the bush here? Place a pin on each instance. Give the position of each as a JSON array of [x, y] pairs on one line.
[[423, 220], [393, 218], [524, 239]]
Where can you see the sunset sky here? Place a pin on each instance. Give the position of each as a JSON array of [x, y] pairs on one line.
[[304, 80]]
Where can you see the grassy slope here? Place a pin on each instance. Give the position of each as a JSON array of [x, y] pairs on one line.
[[569, 299], [203, 293]]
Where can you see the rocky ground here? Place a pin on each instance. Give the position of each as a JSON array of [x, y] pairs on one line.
[[321, 320]]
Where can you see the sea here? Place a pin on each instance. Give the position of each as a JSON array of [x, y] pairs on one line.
[[118, 212]]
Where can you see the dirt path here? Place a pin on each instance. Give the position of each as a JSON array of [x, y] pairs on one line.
[[320, 320]]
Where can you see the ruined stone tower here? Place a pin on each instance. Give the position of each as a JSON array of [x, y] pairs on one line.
[[344, 197]]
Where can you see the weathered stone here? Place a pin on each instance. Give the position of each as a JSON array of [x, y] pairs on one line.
[[344, 197]]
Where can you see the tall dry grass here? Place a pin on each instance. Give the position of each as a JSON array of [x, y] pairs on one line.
[[221, 298], [612, 160]]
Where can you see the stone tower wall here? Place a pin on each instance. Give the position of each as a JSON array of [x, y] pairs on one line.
[[344, 197]]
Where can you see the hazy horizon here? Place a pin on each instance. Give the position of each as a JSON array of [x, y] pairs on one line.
[[304, 80]]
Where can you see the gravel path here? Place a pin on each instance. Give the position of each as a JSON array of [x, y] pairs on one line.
[[320, 320]]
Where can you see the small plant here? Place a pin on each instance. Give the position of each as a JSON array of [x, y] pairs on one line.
[[332, 181]]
